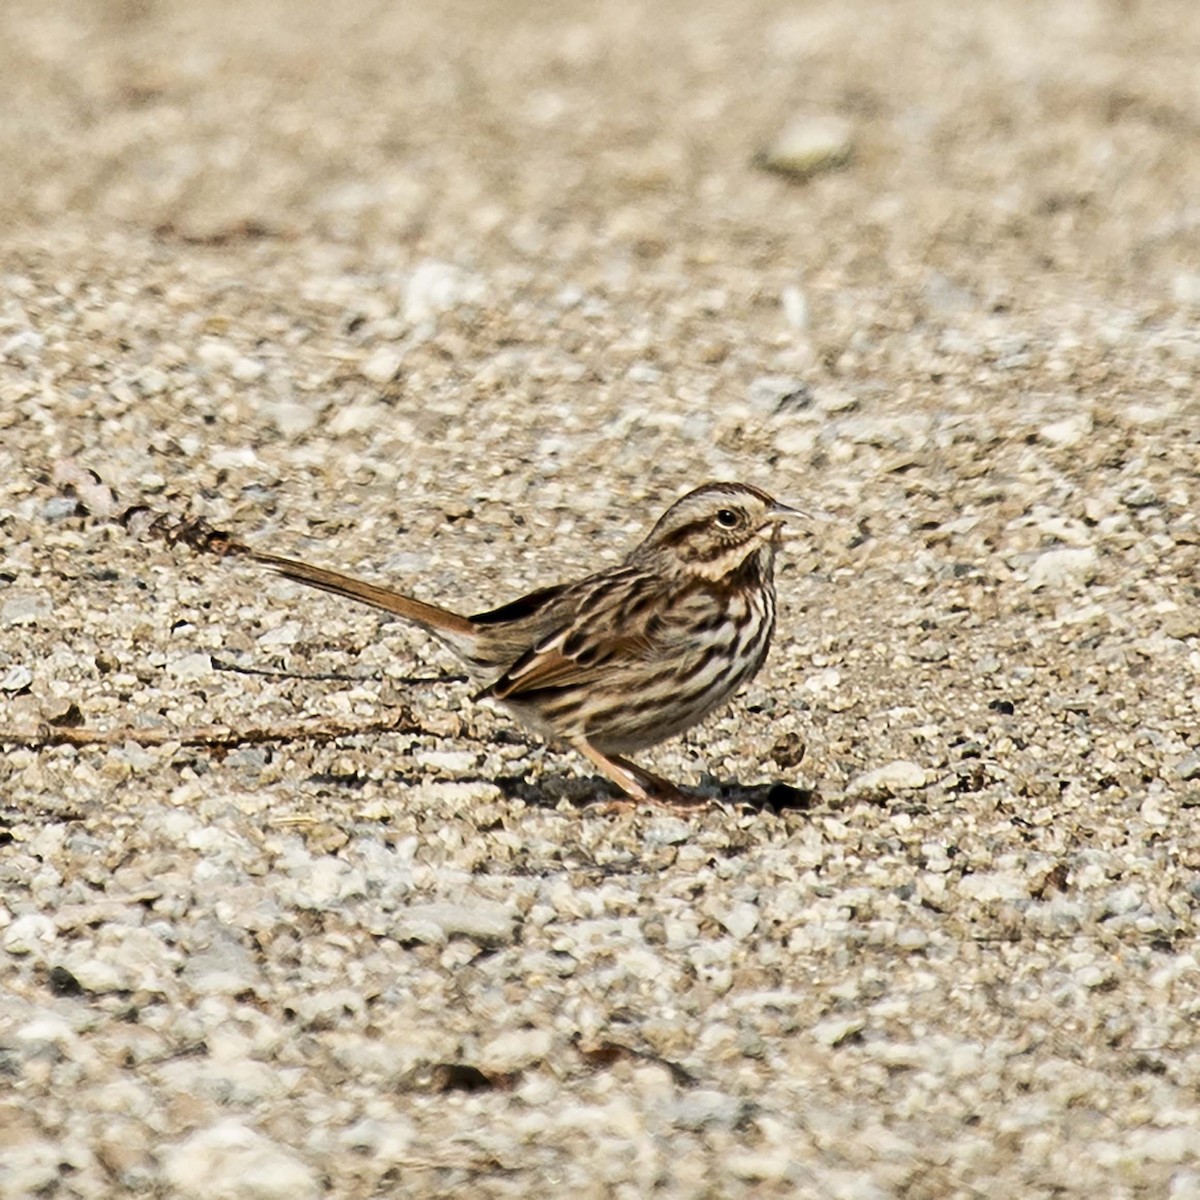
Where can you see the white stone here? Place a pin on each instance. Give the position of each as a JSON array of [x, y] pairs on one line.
[[514, 1050], [190, 666], [98, 976], [740, 920], [451, 762], [994, 885], [33, 931], [152, 381], [808, 145], [795, 307], [1093, 975], [705, 1108], [32, 1169], [357, 418], [325, 882], [385, 1139], [214, 352], [833, 400], [796, 440], [247, 370], [16, 678], [230, 1161], [481, 921], [435, 287], [287, 634], [26, 608], [836, 1030], [1068, 568], [771, 393], [383, 366], [46, 1030], [667, 831], [23, 345], [1069, 431], [292, 419], [898, 776], [828, 680], [1124, 900], [1185, 1185], [233, 458]]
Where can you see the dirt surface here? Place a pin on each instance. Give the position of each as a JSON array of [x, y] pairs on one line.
[[461, 296]]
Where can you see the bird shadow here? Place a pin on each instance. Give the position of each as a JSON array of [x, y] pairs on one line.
[[582, 791], [776, 796]]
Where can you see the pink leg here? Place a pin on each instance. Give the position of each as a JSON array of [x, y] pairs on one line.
[[636, 782]]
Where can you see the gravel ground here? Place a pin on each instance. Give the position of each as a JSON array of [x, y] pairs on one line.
[[462, 296]]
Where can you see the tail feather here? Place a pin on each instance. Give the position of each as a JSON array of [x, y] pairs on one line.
[[431, 616], [201, 536]]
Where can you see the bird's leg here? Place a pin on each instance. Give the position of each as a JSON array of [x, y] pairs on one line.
[[617, 771], [660, 790], [636, 782]]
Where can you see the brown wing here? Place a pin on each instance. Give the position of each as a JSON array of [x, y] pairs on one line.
[[595, 631], [547, 666], [523, 608]]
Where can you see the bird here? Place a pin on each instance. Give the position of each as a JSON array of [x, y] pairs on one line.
[[616, 661]]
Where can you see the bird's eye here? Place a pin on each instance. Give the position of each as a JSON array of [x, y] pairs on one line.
[[726, 518]]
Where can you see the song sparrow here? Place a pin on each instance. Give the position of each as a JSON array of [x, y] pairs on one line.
[[621, 659]]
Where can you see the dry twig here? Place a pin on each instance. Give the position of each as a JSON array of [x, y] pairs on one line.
[[217, 737]]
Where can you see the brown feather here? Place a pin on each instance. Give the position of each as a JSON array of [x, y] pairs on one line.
[[431, 616]]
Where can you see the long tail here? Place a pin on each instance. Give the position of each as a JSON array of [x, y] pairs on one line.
[[199, 535]]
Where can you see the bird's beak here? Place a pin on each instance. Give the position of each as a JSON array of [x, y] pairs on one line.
[[785, 512]]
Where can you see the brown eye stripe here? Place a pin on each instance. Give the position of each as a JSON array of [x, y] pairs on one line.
[[685, 533]]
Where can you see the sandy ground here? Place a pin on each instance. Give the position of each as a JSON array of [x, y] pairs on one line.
[[462, 296]]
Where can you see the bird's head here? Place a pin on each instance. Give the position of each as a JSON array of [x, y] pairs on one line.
[[712, 531]]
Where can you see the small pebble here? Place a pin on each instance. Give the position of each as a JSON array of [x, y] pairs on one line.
[[60, 508], [26, 608], [383, 366], [15, 678], [1140, 495], [435, 287], [885, 781], [515, 1050], [247, 370], [152, 381], [231, 1161], [778, 393], [1070, 431], [191, 666], [1189, 768], [482, 922], [22, 347], [987, 886], [807, 146], [836, 1030], [1067, 569], [29, 934], [740, 920]]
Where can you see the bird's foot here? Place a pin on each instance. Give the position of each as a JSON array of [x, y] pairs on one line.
[[639, 785]]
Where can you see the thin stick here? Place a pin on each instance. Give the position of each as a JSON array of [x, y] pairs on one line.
[[394, 720], [219, 664]]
